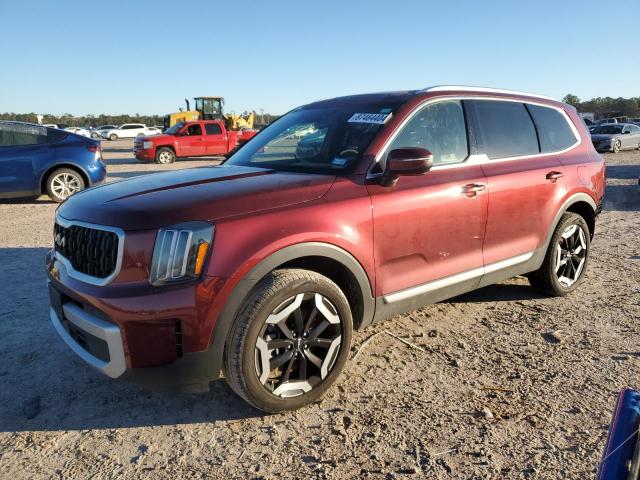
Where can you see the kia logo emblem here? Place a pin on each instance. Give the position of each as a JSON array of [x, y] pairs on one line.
[[60, 240]]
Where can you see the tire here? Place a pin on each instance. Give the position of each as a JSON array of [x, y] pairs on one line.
[[165, 156], [113, 136], [94, 135], [617, 145], [62, 183], [556, 279], [274, 304]]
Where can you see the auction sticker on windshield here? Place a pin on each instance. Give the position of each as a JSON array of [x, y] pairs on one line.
[[378, 118]]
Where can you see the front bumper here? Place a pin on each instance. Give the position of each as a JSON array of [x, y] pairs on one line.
[[603, 146], [139, 335], [148, 155]]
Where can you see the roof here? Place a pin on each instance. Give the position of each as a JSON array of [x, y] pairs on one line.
[[464, 88]]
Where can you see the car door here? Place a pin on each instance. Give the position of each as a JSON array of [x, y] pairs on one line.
[[634, 136], [192, 142], [429, 229], [525, 186], [215, 140], [21, 148]]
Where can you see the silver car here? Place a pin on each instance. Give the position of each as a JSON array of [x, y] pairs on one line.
[[613, 137]]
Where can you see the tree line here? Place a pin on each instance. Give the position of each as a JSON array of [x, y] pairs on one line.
[[606, 106], [97, 120]]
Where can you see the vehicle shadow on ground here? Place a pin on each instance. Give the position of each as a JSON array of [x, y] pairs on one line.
[[23, 201], [117, 150], [623, 171], [42, 379], [503, 292], [622, 198]]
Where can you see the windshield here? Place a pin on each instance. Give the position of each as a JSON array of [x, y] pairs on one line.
[[323, 140], [608, 129], [175, 129]]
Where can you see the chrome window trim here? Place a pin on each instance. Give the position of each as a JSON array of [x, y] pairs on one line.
[[456, 278], [464, 88], [481, 158], [83, 277], [97, 327]]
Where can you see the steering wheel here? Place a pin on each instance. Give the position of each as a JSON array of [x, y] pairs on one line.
[[349, 151]]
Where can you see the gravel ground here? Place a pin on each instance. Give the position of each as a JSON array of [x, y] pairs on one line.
[[502, 383]]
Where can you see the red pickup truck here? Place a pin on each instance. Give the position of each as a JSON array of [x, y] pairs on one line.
[[190, 139]]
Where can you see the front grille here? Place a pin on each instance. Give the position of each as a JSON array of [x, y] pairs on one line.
[[91, 251]]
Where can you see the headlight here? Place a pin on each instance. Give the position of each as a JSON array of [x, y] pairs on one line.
[[147, 145], [180, 253]]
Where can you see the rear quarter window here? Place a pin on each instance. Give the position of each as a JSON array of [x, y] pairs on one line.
[[15, 135], [553, 130], [505, 128]]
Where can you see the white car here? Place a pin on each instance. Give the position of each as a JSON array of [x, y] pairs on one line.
[[128, 130], [78, 131], [98, 131]]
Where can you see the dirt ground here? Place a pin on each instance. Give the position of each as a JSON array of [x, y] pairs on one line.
[[505, 384]]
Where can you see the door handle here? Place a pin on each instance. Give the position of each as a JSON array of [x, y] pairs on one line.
[[554, 176], [472, 189]]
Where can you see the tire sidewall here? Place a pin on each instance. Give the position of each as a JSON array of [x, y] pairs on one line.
[[113, 137], [570, 220], [259, 394]]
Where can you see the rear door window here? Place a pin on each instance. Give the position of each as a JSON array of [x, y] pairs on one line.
[[213, 129], [505, 129], [440, 128]]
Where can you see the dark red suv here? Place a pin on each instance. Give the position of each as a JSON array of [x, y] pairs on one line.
[[341, 213]]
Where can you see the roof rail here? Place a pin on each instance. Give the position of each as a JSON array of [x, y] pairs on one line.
[[463, 88]]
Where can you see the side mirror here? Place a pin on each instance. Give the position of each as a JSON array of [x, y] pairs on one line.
[[406, 161]]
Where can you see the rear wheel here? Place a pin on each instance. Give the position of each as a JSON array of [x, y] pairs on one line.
[[289, 342], [62, 183], [165, 155], [566, 260], [94, 135], [113, 136]]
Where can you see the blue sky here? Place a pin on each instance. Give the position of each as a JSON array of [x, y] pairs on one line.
[[117, 56]]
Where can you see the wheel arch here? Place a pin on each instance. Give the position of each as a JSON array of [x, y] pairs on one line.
[[45, 174], [582, 204], [327, 259]]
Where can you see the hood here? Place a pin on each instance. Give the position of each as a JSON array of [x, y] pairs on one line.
[[156, 138], [206, 193], [598, 137]]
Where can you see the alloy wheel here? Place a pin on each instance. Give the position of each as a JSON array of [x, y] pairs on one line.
[[616, 146], [571, 255], [65, 184], [298, 345]]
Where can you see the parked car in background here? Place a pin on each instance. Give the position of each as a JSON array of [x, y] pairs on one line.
[[127, 130], [50, 125], [262, 267], [35, 159], [190, 139], [98, 131], [155, 130], [613, 137], [79, 131]]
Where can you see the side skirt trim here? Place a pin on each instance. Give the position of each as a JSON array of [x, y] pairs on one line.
[[457, 278]]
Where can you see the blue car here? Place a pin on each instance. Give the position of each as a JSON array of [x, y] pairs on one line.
[[35, 159]]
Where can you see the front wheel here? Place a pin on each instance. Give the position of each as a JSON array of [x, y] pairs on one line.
[[165, 155], [289, 342], [566, 260], [94, 135], [617, 145]]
